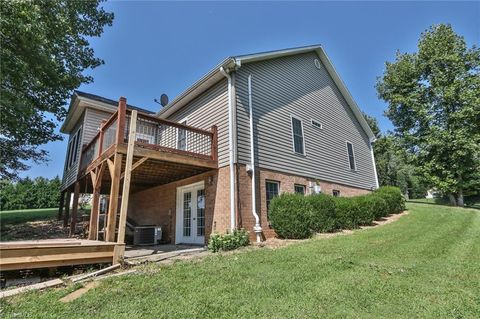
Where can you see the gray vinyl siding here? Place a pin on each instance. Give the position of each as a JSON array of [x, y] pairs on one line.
[[93, 120], [208, 109], [90, 122], [293, 86]]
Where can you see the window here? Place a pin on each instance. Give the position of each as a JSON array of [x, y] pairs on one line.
[[317, 124], [69, 153], [73, 147], [182, 137], [271, 190], [336, 193], [351, 156], [299, 189], [77, 145], [297, 132]]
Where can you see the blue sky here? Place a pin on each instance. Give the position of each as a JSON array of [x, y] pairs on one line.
[[163, 47]]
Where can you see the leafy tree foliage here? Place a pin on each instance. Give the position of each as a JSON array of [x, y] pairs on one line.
[[44, 50], [394, 165], [28, 194], [434, 104]]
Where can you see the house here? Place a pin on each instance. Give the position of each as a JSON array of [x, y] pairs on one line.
[[212, 159]]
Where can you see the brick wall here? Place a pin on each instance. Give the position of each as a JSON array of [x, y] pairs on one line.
[[287, 183], [157, 205]]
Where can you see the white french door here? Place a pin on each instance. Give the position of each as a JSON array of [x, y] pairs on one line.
[[190, 221]]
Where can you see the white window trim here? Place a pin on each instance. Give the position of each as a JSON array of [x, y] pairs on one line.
[[293, 136], [348, 157], [300, 185], [71, 148]]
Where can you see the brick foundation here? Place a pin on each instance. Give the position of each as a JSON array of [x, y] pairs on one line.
[[157, 205], [287, 183]]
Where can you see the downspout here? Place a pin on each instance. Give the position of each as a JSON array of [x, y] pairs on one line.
[[373, 161], [230, 149], [257, 228]]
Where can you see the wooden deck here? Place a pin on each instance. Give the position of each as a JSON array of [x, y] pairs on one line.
[[33, 254]]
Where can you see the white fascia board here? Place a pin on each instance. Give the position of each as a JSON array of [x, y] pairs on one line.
[[78, 106], [205, 82]]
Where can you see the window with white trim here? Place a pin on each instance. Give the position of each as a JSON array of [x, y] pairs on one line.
[[351, 156], [298, 139], [272, 189], [73, 147], [299, 189], [336, 193]]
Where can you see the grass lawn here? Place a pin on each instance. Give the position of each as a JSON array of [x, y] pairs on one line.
[[13, 217], [425, 265]]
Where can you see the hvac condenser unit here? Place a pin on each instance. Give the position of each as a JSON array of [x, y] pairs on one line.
[[145, 234]]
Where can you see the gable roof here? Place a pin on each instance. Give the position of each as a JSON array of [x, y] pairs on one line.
[[230, 63], [80, 100]]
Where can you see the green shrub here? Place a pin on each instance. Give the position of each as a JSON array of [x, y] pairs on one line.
[[372, 207], [323, 213], [347, 211], [290, 215], [393, 197], [229, 241]]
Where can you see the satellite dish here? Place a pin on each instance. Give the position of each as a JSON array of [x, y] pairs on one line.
[[163, 99]]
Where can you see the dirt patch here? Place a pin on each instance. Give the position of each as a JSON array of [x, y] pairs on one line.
[[79, 292], [43, 229]]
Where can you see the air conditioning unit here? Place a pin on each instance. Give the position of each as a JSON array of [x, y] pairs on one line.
[[147, 235], [144, 234]]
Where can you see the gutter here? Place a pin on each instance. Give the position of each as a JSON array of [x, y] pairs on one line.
[[226, 73], [372, 140], [257, 228]]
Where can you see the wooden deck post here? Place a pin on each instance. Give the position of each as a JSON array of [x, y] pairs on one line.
[[73, 220], [126, 180], [100, 138], [115, 169], [67, 208], [61, 205], [122, 111], [95, 212]]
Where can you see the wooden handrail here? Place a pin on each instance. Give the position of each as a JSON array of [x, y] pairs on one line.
[[121, 117], [174, 124]]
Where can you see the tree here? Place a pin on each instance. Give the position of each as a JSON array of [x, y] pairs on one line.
[[44, 50], [394, 165], [433, 100], [27, 194]]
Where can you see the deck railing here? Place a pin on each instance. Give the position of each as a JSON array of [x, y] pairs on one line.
[[152, 133]]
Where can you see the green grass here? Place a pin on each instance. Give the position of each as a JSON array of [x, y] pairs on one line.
[[13, 217], [425, 265]]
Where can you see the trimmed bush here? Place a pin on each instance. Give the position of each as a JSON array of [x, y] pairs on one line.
[[323, 214], [347, 211], [290, 215], [371, 207], [393, 197], [229, 241]]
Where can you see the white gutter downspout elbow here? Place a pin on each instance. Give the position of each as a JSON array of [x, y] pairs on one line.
[[230, 149], [257, 228], [372, 140]]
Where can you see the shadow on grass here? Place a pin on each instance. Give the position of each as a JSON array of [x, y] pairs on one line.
[[475, 206]]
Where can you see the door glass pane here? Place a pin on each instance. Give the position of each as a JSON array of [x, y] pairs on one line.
[[201, 212], [187, 213]]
